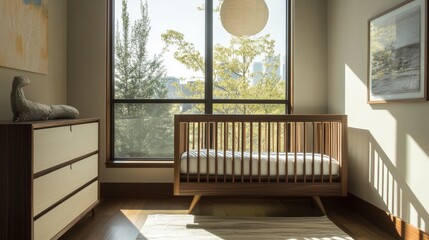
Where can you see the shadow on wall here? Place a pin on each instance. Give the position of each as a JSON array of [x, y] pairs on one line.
[[384, 179]]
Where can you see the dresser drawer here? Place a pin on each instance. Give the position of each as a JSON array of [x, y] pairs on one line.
[[51, 223], [53, 146], [54, 186]]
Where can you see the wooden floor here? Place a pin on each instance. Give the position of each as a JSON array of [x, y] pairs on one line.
[[122, 218]]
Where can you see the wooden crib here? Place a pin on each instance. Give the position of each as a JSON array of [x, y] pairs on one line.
[[260, 155]]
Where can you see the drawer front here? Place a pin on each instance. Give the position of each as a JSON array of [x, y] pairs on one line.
[[53, 146], [54, 186], [51, 223]]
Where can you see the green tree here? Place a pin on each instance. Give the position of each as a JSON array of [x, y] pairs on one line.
[[231, 72], [141, 130]]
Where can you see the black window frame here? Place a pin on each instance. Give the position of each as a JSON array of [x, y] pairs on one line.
[[208, 101]]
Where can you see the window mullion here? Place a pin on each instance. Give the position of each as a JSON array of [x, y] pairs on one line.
[[209, 57], [288, 57]]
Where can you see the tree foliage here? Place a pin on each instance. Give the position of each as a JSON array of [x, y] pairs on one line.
[[137, 75], [232, 76], [141, 130]]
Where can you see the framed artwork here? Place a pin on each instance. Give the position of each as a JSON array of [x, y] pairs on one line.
[[24, 35], [397, 55]]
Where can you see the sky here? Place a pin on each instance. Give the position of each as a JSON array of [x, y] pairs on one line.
[[183, 16]]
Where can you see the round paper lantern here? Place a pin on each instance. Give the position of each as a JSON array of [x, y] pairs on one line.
[[244, 17]]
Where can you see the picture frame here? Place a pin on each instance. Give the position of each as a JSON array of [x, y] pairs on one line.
[[397, 54]]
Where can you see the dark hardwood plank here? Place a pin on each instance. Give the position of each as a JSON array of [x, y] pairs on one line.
[[352, 223]]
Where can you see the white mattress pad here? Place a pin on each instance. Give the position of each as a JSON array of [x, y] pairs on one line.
[[254, 160]]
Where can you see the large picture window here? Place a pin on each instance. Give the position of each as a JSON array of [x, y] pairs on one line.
[[172, 57]]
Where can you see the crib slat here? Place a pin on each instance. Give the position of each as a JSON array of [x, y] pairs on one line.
[[187, 150], [259, 151], [330, 151], [295, 150], [225, 142], [314, 149], [238, 145], [287, 142], [215, 147], [222, 144], [208, 150], [233, 151], [304, 152], [285, 137], [271, 148], [339, 147], [198, 151], [269, 151], [339, 143], [243, 143], [193, 136], [323, 150], [251, 151], [278, 151]]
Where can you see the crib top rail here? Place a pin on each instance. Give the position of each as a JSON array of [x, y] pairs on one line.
[[261, 118]]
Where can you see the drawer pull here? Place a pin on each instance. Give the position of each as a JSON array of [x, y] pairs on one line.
[[71, 166], [71, 128]]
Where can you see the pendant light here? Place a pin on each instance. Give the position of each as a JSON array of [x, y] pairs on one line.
[[243, 17]]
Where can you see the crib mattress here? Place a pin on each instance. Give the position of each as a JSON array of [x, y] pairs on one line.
[[319, 161]]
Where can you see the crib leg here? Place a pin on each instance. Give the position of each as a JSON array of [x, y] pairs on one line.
[[319, 204], [194, 203]]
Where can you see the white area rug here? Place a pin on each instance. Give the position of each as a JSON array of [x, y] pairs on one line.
[[207, 227]]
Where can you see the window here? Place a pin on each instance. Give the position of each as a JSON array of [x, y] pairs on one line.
[[172, 57]]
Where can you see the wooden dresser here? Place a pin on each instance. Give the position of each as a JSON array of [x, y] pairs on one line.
[[48, 176]]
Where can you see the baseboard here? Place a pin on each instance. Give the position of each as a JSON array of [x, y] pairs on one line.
[[387, 222], [135, 190]]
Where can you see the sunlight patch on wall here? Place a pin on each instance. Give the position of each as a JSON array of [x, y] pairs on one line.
[[355, 97]]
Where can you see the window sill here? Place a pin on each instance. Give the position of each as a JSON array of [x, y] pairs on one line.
[[139, 164]]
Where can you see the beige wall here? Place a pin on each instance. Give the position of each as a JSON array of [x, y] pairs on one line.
[[50, 88], [309, 70], [388, 143], [87, 72]]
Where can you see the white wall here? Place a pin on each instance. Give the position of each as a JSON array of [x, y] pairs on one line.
[[87, 72], [52, 87], [309, 62], [388, 143]]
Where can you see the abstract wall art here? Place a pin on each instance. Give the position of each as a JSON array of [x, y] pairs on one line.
[[24, 35]]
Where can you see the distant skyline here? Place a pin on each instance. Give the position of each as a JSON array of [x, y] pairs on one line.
[[184, 17]]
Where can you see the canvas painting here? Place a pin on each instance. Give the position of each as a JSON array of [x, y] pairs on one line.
[[397, 54], [24, 35]]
